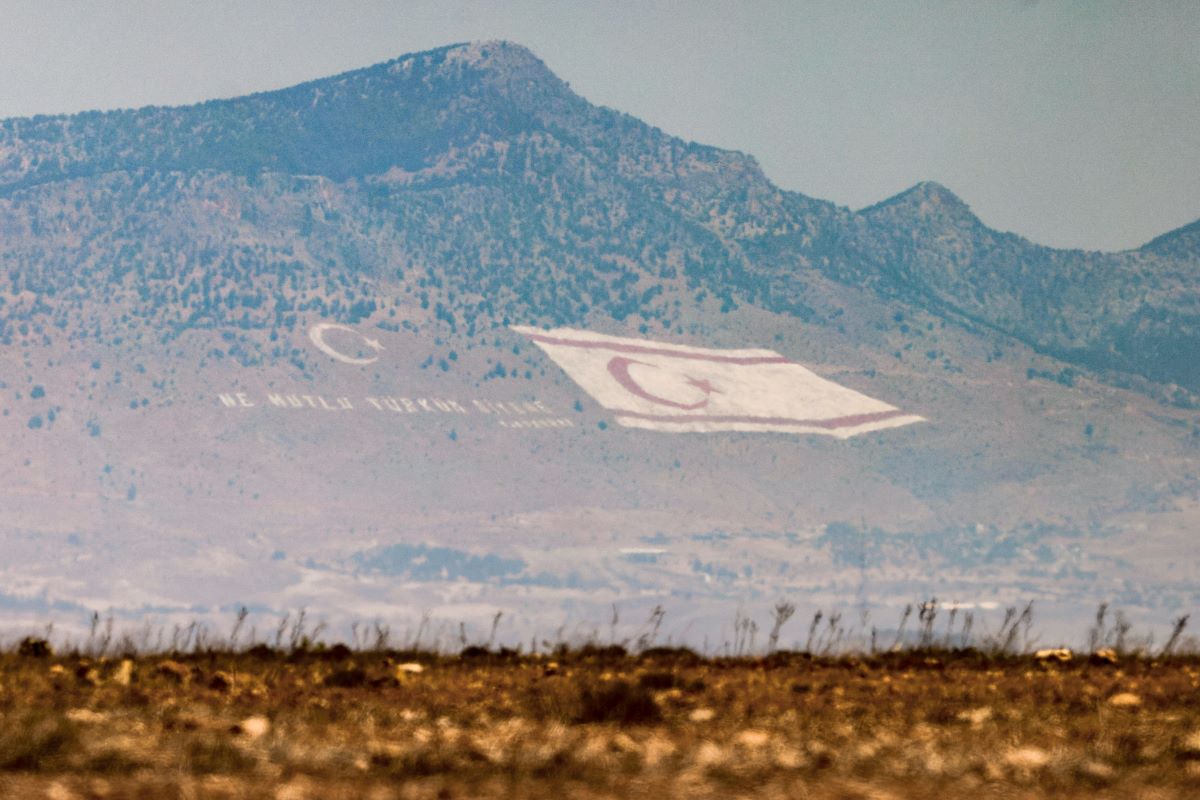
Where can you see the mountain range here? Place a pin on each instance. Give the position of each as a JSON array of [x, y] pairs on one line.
[[155, 260]]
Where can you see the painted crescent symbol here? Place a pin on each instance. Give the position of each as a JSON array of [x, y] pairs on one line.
[[619, 366], [317, 334]]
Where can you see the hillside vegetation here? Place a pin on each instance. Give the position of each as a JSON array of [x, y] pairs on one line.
[[473, 182]]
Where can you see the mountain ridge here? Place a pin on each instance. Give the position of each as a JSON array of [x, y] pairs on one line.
[[401, 134], [500, 58]]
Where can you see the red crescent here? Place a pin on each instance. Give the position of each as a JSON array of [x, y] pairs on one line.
[[618, 367]]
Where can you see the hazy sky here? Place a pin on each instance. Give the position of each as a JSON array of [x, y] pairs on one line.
[[1073, 123]]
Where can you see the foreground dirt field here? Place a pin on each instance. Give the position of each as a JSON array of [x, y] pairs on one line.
[[597, 724]]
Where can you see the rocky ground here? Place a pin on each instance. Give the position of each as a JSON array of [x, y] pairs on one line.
[[342, 723]]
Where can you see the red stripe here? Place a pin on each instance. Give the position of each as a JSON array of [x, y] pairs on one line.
[[829, 424], [617, 347]]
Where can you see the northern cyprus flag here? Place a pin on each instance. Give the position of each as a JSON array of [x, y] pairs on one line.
[[673, 387]]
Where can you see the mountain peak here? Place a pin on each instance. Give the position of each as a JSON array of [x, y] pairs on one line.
[[405, 112], [492, 55], [926, 199], [929, 192], [511, 68], [936, 192]]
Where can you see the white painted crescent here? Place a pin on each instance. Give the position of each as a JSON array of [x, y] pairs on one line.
[[317, 334]]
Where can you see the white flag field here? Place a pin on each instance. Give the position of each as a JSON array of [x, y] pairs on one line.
[[679, 388]]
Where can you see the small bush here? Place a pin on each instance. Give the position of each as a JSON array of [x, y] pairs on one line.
[[660, 680], [608, 652], [473, 652], [349, 678], [676, 655], [618, 701], [339, 652], [31, 647]]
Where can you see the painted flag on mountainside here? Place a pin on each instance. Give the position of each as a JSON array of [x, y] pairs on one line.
[[672, 387]]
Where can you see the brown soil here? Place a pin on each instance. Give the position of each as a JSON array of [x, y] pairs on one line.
[[597, 724]]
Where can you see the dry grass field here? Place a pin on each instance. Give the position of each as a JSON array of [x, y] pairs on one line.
[[317, 721]]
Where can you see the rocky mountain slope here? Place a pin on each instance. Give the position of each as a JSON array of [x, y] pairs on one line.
[[475, 169]]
